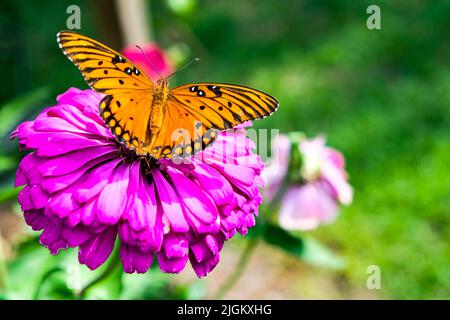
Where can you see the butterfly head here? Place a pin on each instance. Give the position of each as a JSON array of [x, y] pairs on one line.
[[161, 91], [162, 82]]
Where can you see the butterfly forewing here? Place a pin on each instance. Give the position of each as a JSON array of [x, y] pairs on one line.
[[127, 106], [127, 115], [104, 69]]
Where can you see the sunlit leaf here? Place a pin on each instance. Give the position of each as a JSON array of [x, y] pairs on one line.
[[182, 7], [53, 285], [316, 253], [34, 264], [108, 288]]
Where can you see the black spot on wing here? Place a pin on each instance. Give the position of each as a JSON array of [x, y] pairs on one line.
[[117, 59], [215, 89]]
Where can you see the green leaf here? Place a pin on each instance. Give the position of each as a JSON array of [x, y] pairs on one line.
[[34, 264], [149, 286], [9, 193], [317, 254], [108, 288], [47, 276], [196, 290], [14, 110], [7, 163], [182, 7], [53, 285], [192, 291], [304, 248]]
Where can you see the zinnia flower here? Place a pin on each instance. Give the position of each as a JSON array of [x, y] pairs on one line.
[[312, 188], [83, 189]]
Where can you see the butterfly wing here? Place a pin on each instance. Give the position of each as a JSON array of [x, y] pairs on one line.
[[126, 107], [127, 115], [201, 109], [192, 112]]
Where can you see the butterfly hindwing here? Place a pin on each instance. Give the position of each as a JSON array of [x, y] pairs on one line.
[[200, 110], [223, 106], [127, 115], [182, 133]]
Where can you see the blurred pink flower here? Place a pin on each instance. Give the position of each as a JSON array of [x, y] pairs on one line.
[[157, 57], [274, 173], [321, 187]]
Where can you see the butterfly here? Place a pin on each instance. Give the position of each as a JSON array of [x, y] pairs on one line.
[[154, 120]]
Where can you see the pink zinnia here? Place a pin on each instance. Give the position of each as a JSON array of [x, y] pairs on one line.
[[83, 189], [321, 184]]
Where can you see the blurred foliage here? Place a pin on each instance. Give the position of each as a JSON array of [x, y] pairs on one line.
[[61, 277], [304, 248], [381, 97]]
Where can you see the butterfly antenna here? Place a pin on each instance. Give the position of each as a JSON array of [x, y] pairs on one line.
[[148, 60], [185, 66]]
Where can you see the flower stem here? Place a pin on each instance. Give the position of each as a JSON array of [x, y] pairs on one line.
[[240, 267], [114, 262]]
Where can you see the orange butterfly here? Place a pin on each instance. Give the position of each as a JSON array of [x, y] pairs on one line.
[[153, 120]]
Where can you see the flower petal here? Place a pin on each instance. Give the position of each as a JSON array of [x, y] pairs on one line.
[[113, 198], [170, 203], [174, 253], [204, 212], [305, 207], [135, 260], [94, 252], [72, 161]]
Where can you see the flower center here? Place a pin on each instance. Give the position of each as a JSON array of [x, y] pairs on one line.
[[147, 162]]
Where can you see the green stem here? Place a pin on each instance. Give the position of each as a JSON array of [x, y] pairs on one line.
[[239, 269], [114, 262]]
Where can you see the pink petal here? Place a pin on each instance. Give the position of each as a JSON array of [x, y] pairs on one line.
[[194, 199], [113, 198], [135, 260], [305, 207], [170, 203], [94, 252], [72, 161], [93, 183]]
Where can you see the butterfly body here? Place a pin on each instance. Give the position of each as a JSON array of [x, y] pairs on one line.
[[154, 120], [158, 107]]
